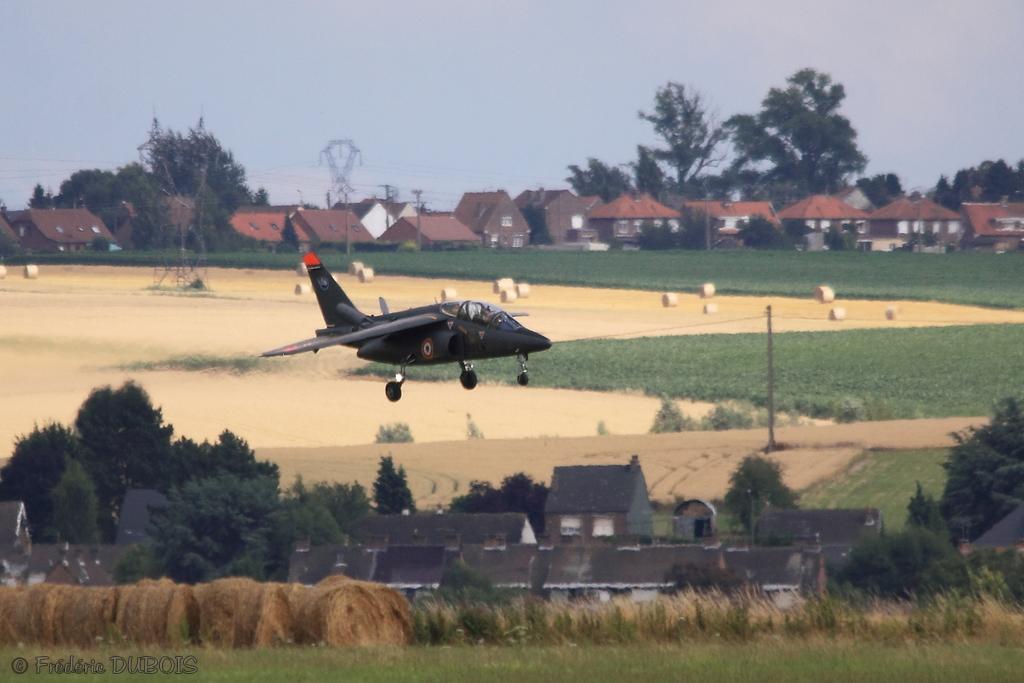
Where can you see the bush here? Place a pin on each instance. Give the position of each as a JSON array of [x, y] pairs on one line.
[[472, 431], [730, 417], [670, 419], [396, 432], [850, 409], [408, 246]]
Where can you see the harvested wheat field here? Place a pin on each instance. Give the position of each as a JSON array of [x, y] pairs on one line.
[[77, 327], [675, 465], [229, 613]]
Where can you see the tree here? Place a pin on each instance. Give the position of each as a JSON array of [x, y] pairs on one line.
[[217, 526], [923, 512], [756, 484], [391, 494], [34, 469], [657, 236], [608, 182], [536, 218], [760, 233], [690, 131], [261, 197], [230, 454], [74, 506], [125, 444], [900, 565], [944, 194], [841, 238], [647, 174], [304, 516], [137, 563], [881, 188], [985, 471], [670, 419], [41, 199], [347, 503], [800, 134], [289, 238]]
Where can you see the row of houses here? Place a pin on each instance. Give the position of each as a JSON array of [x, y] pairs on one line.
[[494, 219]]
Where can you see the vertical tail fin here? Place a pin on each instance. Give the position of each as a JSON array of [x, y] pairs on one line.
[[335, 305]]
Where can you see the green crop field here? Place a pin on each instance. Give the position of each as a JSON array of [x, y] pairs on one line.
[[977, 278], [839, 661], [882, 479], [880, 374]]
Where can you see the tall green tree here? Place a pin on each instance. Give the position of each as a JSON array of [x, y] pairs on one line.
[[74, 506], [985, 471], [289, 238], [760, 233], [125, 444], [690, 131], [218, 526], [41, 199], [753, 486], [924, 512], [901, 565], [391, 494], [34, 469], [647, 173], [881, 188], [517, 493], [261, 197], [599, 178], [799, 137], [230, 454]]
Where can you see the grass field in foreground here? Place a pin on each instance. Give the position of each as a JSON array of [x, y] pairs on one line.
[[976, 278], [838, 661], [893, 373], [884, 480]]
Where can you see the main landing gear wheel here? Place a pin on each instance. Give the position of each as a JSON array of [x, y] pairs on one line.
[[393, 390], [468, 376]]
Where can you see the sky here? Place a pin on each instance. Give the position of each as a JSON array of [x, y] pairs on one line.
[[449, 96]]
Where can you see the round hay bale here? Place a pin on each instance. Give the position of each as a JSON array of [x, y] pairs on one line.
[[3, 271], [301, 269], [157, 613], [891, 312], [824, 294], [502, 284], [302, 288], [31, 271], [522, 290], [707, 290], [669, 300], [86, 616], [9, 600], [508, 296], [837, 313], [366, 274], [340, 611], [243, 613], [449, 294], [35, 612], [710, 309], [354, 267]]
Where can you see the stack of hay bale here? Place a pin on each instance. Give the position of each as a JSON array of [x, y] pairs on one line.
[[707, 291], [506, 288]]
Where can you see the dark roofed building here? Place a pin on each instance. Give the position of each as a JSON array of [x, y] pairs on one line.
[[588, 501], [774, 570], [582, 569], [408, 568], [58, 229], [437, 230], [78, 565], [521, 567], [560, 212], [135, 513], [450, 528], [1006, 534], [819, 527], [14, 532], [495, 218]]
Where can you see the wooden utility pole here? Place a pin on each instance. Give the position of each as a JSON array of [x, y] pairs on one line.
[[771, 386], [419, 210]]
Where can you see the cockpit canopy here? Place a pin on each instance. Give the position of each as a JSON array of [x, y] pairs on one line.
[[481, 313]]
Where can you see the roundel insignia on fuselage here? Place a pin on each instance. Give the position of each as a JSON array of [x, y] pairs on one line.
[[322, 282], [427, 348]]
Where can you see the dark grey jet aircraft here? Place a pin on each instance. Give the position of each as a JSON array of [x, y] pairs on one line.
[[451, 332]]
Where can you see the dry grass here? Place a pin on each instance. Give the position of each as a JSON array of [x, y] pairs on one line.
[[340, 611]]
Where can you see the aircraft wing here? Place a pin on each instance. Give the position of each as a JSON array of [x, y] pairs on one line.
[[372, 332]]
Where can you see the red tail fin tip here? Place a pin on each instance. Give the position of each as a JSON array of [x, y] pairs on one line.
[[310, 259]]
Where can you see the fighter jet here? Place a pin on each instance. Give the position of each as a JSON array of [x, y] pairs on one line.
[[450, 332]]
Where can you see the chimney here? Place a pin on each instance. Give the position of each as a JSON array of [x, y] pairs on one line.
[[634, 462]]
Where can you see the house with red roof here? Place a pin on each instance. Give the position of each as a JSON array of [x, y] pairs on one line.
[[728, 217], [998, 226], [437, 230], [821, 212], [58, 229], [330, 226], [561, 212], [377, 215], [265, 224], [893, 225], [621, 219], [494, 218], [5, 228]]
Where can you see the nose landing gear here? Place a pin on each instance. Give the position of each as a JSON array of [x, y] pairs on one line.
[[523, 378], [393, 389]]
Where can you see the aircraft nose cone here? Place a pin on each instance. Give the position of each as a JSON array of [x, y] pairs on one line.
[[538, 342]]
